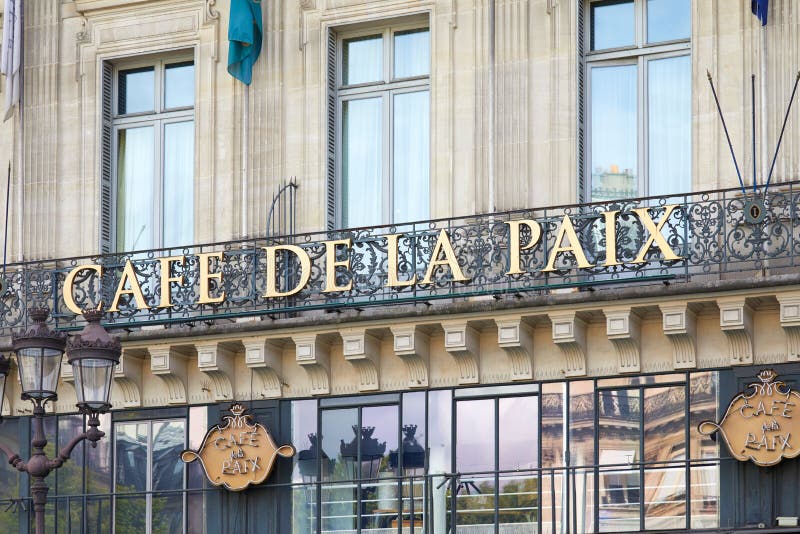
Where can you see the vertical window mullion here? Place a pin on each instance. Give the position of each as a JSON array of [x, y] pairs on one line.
[[642, 125], [388, 159]]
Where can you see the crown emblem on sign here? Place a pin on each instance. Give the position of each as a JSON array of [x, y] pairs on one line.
[[767, 376], [237, 409]]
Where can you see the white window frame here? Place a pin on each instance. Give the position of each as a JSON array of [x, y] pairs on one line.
[[158, 118], [639, 54], [386, 89]]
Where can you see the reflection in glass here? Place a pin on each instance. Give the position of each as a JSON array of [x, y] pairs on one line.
[[613, 132], [669, 110], [178, 200], [412, 55], [411, 156], [553, 445], [613, 24], [440, 410], [362, 162], [705, 483], [179, 85], [475, 502], [475, 435], [135, 166], [130, 452], [668, 20], [9, 477], [337, 429], [581, 451], [619, 446], [664, 429], [136, 89], [519, 432], [362, 60]]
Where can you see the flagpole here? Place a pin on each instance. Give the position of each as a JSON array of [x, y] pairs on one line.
[[763, 60], [245, 148]]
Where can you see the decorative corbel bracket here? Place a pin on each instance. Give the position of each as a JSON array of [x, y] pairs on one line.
[[462, 342], [623, 329], [313, 355], [515, 338], [265, 358], [790, 321], [128, 377], [413, 347], [216, 361], [736, 322], [363, 351], [680, 326], [569, 333], [169, 363]]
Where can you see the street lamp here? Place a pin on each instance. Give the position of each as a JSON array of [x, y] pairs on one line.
[[93, 355]]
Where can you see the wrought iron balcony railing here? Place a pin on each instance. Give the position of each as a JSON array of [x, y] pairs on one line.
[[703, 236]]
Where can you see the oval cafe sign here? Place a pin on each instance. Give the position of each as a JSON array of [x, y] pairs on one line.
[[238, 452], [760, 423]]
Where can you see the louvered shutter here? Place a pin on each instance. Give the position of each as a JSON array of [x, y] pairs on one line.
[[581, 104], [331, 133], [106, 170]]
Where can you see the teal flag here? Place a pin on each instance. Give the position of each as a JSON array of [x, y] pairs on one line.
[[244, 36]]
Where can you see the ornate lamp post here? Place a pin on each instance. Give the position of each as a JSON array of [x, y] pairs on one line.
[[93, 355]]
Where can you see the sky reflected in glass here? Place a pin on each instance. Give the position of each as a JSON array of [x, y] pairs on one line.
[[668, 20], [613, 25]]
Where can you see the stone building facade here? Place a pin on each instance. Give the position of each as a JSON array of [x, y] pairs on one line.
[[133, 144]]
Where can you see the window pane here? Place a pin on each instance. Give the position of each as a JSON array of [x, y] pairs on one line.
[[669, 132], [179, 85], [613, 24], [412, 56], [361, 165], [135, 188], [362, 60], [475, 436], [519, 432], [168, 442], [178, 200], [338, 429], [613, 132], [136, 90], [131, 457], [668, 20], [411, 158], [619, 445], [9, 477]]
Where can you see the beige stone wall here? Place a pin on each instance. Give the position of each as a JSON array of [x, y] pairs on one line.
[[532, 140]]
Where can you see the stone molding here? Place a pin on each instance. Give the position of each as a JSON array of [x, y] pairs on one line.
[[736, 322], [264, 357], [790, 322], [516, 340], [170, 364], [679, 324], [462, 342], [128, 378], [313, 355], [363, 351], [217, 361], [569, 334], [623, 329], [413, 347]]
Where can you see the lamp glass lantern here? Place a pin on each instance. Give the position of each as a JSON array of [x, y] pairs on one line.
[[94, 355], [39, 351]]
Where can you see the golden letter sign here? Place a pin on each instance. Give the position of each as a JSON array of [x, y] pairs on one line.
[[238, 453], [760, 426]]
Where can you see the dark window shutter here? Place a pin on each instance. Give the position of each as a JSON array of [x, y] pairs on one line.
[[583, 194], [106, 159], [331, 133]]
